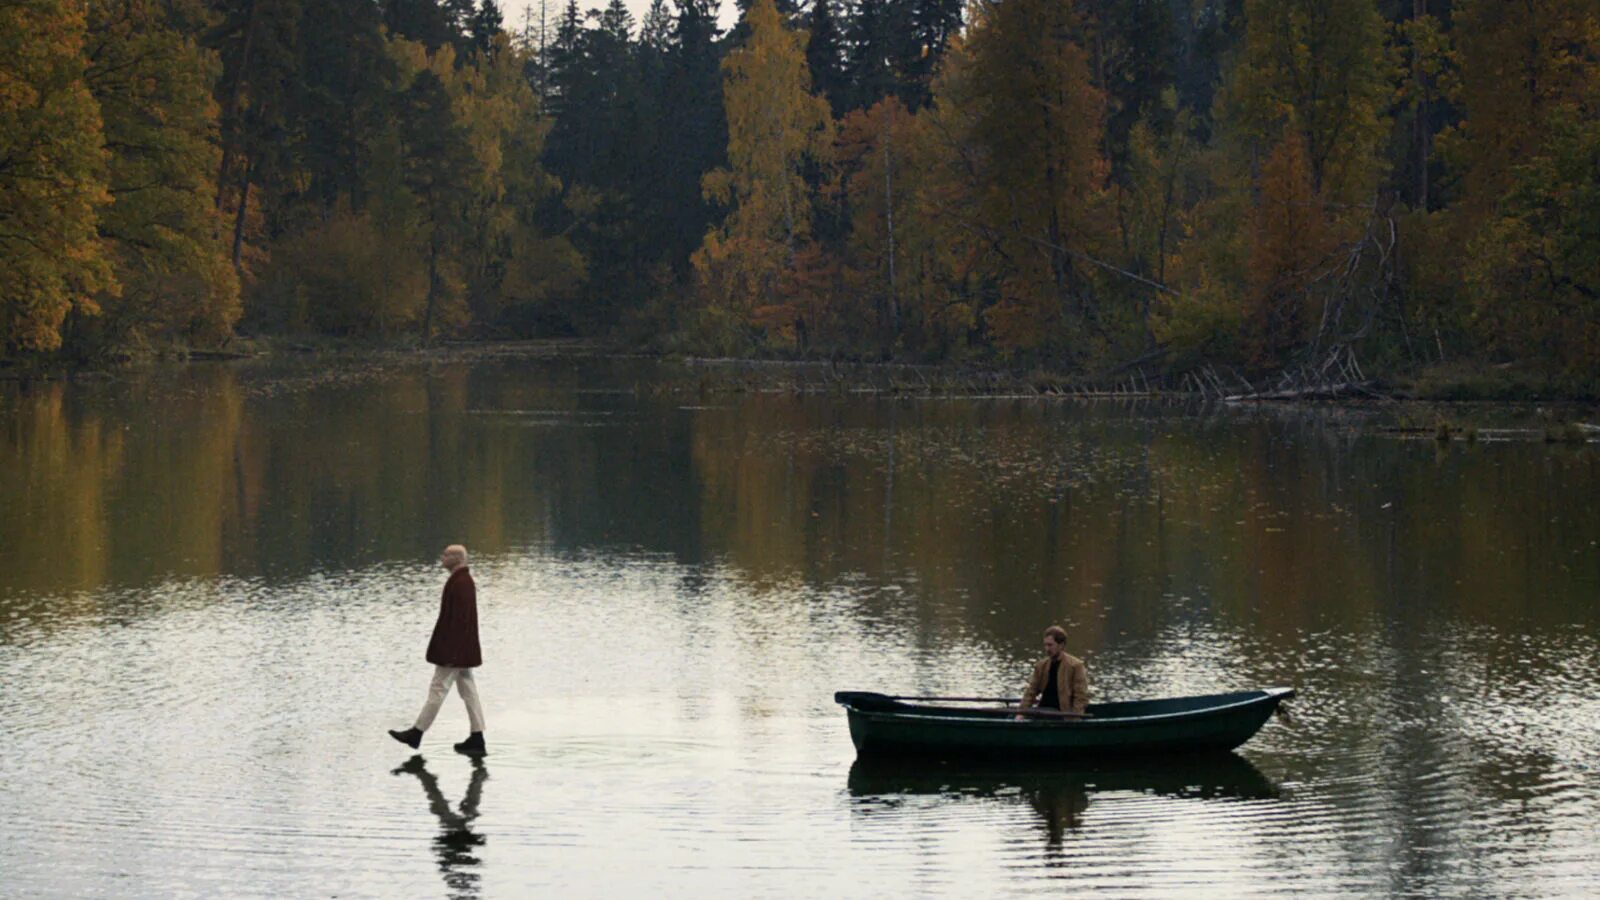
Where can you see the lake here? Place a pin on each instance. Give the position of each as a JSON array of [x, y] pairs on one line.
[[218, 583]]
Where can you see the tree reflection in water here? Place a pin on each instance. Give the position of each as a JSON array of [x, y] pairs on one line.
[[456, 842]]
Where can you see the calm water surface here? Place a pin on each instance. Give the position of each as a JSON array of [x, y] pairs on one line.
[[216, 588]]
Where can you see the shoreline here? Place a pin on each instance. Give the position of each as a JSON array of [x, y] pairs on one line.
[[1455, 386]]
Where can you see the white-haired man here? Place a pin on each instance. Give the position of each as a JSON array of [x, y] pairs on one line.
[[454, 652]]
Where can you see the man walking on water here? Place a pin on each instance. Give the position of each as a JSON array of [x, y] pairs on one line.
[[454, 652]]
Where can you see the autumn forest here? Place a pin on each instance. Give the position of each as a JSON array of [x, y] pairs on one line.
[[1084, 186]]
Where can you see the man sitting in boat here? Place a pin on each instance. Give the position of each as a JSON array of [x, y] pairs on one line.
[[1060, 681]]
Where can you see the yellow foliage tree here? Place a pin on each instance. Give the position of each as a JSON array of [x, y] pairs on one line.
[[1516, 66], [166, 236], [775, 127], [1292, 175], [52, 175], [347, 275], [1320, 67], [1527, 79], [1037, 127], [875, 153], [964, 260]]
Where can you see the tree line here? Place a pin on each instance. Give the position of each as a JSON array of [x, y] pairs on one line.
[[1091, 185]]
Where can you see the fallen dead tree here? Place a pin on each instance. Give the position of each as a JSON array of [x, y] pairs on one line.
[[1340, 391], [1337, 377]]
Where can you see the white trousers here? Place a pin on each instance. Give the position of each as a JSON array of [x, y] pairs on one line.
[[443, 677]]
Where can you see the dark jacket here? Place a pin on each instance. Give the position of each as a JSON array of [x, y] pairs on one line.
[[455, 635], [1072, 683]]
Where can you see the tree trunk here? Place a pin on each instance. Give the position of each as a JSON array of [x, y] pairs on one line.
[[433, 289], [888, 212], [1056, 242], [1419, 8], [230, 112], [239, 218]]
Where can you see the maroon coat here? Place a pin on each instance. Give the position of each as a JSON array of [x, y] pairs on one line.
[[455, 635]]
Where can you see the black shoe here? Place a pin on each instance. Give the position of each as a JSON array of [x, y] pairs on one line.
[[473, 745], [411, 737]]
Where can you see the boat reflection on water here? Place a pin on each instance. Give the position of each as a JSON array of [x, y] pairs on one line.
[[456, 843], [1061, 793]]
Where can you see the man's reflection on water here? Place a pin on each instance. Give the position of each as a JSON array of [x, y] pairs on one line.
[[1060, 805], [1059, 793], [456, 843]]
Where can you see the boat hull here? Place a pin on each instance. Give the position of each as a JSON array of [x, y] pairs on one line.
[[1182, 725]]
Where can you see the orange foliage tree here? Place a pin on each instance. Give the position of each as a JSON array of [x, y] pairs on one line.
[[1291, 236]]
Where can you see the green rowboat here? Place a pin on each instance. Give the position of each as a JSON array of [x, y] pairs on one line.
[[894, 726]]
